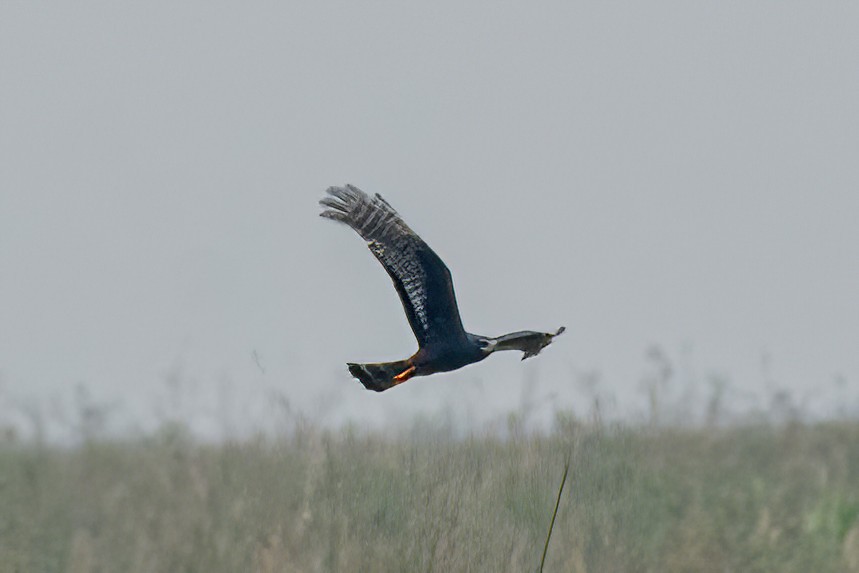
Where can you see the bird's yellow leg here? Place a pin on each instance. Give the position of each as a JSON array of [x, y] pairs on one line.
[[404, 375]]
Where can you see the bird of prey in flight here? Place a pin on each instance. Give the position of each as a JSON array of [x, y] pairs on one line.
[[426, 290]]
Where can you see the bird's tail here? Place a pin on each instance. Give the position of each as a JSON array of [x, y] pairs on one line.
[[380, 376]]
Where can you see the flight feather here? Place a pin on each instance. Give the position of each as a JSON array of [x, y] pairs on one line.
[[422, 280]]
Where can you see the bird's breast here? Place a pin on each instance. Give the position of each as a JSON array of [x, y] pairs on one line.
[[447, 358]]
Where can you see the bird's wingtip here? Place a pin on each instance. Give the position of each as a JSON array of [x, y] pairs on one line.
[[339, 202]]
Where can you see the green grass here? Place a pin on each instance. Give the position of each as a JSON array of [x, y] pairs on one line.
[[742, 499]]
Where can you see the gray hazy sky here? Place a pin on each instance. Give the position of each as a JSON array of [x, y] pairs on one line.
[[673, 173]]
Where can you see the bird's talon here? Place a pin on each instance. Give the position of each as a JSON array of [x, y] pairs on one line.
[[404, 375]]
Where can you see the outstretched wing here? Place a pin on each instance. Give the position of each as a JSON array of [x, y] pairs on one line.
[[420, 277]]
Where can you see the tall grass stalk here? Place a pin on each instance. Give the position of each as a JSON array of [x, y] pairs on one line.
[[554, 514]]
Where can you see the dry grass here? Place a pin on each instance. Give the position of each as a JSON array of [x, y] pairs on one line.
[[743, 499]]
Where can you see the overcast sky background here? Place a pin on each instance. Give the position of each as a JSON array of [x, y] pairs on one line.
[[669, 173]]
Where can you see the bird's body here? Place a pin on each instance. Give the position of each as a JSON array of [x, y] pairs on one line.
[[426, 290]]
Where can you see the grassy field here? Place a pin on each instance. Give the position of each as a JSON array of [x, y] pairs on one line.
[[743, 499]]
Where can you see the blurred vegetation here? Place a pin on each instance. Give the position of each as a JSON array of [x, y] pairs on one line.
[[754, 498]]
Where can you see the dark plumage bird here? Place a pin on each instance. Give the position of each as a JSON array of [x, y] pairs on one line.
[[426, 291]]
